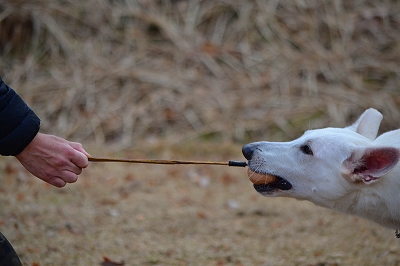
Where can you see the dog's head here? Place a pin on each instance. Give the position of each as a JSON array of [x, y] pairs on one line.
[[323, 165]]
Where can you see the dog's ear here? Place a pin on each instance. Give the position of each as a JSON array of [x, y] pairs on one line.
[[368, 124], [370, 164]]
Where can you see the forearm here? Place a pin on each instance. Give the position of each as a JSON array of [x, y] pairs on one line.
[[18, 123], [50, 158]]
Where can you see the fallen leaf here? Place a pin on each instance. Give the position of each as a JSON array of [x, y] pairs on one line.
[[10, 169], [227, 179], [210, 48], [201, 215], [20, 197], [108, 262]]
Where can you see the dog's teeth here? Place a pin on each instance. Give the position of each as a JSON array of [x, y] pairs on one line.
[[259, 179]]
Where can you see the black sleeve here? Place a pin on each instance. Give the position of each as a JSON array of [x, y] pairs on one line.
[[18, 123]]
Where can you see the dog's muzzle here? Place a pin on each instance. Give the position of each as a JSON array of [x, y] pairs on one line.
[[263, 182]]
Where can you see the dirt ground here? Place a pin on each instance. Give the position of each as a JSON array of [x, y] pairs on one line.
[[177, 215], [125, 73]]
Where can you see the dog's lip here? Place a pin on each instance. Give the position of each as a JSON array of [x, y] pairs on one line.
[[278, 183]]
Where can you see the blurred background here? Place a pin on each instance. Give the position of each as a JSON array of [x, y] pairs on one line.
[[170, 79], [118, 71]]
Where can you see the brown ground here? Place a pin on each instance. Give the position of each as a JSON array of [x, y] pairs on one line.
[[179, 215], [123, 75]]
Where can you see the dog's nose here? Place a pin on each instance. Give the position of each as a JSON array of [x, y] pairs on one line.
[[248, 150]]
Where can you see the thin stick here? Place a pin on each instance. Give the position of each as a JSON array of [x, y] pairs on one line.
[[230, 163]]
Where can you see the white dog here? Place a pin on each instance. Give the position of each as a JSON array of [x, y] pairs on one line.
[[344, 169]]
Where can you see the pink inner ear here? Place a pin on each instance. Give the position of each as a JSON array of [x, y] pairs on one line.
[[378, 160]]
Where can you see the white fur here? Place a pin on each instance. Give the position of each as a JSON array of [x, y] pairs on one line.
[[349, 170]]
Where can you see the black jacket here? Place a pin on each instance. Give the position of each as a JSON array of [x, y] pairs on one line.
[[18, 123]]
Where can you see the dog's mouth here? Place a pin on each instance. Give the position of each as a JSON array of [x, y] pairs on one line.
[[264, 182]]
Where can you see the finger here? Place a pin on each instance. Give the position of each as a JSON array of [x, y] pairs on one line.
[[56, 181], [69, 177], [71, 167], [79, 159], [78, 146]]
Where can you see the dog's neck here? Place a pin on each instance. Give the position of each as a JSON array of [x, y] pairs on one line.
[[377, 202]]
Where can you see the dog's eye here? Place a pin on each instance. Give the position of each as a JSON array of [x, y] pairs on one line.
[[306, 149]]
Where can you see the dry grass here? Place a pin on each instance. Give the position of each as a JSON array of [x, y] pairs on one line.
[[122, 71], [129, 75]]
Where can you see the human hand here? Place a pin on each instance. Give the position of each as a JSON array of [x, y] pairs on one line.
[[53, 159]]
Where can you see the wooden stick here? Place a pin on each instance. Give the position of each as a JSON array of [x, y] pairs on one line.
[[230, 163]]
